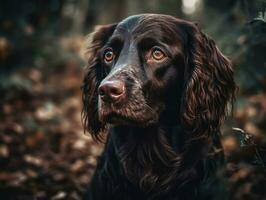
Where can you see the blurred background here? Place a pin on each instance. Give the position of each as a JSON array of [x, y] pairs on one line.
[[44, 153]]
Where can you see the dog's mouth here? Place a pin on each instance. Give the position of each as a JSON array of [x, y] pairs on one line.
[[120, 118], [114, 118], [136, 112]]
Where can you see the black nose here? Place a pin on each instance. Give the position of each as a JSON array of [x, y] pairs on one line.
[[113, 91]]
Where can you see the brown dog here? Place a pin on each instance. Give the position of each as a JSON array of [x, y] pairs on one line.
[[160, 87]]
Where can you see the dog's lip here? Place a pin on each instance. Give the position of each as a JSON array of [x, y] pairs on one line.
[[114, 117], [120, 119]]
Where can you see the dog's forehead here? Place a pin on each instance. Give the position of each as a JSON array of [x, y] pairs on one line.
[[128, 24], [151, 24], [132, 22]]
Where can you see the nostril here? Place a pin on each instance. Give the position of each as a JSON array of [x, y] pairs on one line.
[[101, 91], [111, 90], [116, 91]]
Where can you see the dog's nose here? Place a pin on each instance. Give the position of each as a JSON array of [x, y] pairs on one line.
[[112, 91]]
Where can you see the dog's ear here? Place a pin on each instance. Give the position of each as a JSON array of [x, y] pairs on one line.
[[209, 84], [93, 76]]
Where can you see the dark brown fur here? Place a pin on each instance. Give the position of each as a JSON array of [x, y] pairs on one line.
[[163, 148]]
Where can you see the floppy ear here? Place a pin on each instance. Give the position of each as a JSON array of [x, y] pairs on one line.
[[93, 76], [209, 85]]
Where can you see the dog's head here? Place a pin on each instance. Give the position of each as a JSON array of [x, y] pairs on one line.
[[150, 68]]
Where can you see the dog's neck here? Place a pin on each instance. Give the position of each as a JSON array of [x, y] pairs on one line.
[[171, 133], [150, 161], [148, 158]]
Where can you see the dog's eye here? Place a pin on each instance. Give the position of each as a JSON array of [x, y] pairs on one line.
[[157, 54], [109, 56]]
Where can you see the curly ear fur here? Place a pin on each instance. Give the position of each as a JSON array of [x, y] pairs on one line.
[[209, 86], [93, 77]]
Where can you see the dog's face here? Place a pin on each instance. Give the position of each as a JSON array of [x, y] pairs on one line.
[[149, 67], [141, 63]]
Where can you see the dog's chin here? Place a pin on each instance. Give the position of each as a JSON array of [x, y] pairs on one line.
[[120, 119]]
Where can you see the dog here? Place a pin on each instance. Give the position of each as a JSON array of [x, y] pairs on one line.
[[156, 90]]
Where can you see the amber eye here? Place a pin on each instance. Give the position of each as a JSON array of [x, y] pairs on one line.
[[109, 56], [158, 54]]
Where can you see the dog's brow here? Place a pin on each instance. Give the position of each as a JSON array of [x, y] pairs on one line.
[[149, 40], [116, 39], [121, 28], [144, 39]]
